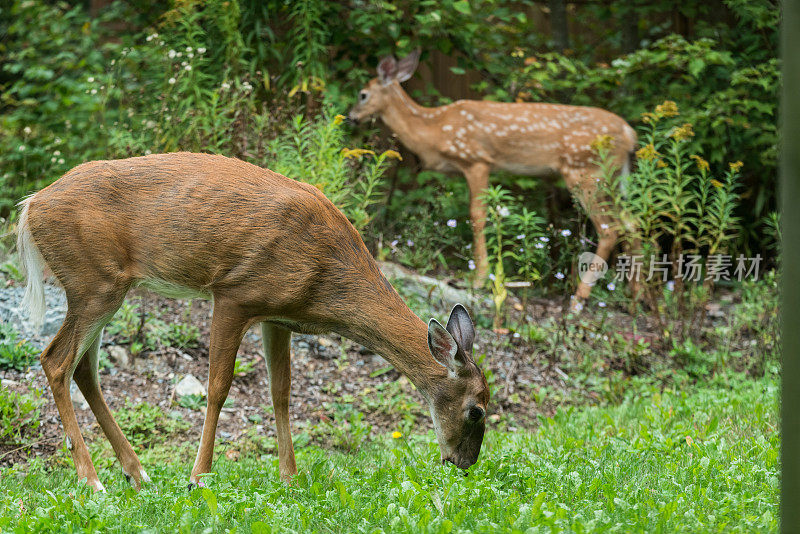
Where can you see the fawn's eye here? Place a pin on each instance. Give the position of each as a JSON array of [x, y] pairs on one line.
[[476, 414], [362, 96]]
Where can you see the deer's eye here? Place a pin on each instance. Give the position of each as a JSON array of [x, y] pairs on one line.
[[476, 414], [362, 96]]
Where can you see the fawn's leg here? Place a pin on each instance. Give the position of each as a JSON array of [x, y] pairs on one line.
[[228, 326], [86, 377], [59, 362], [584, 186], [478, 180], [276, 352]]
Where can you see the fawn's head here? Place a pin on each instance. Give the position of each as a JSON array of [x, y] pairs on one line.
[[374, 96], [458, 402]]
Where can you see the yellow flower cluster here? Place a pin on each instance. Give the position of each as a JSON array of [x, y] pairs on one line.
[[735, 166], [647, 152], [681, 133], [667, 109], [392, 154], [396, 435], [603, 142], [338, 119], [701, 163], [356, 153]]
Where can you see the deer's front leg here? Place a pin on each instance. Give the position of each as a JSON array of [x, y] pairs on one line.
[[228, 326], [478, 180], [276, 352]]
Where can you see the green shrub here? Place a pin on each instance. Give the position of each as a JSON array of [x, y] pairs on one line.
[[14, 353], [19, 416], [316, 152], [146, 425], [516, 244], [672, 198]]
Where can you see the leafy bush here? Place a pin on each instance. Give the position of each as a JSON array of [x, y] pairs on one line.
[[48, 120], [516, 244], [671, 198], [14, 353], [146, 425], [19, 416], [315, 152]]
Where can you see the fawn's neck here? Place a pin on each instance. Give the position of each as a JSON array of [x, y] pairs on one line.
[[413, 124]]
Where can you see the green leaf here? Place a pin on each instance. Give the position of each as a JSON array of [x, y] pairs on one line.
[[463, 7]]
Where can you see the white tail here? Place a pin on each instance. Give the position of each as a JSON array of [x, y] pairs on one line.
[[268, 250], [32, 265], [475, 137]]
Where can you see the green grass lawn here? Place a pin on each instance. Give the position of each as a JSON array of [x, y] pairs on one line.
[[698, 460]]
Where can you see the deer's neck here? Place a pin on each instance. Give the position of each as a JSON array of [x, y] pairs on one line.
[[413, 124], [381, 321]]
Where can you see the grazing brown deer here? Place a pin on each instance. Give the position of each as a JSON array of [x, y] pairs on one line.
[[475, 137], [267, 249]]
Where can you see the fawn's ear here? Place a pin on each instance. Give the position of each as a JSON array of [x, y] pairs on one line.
[[463, 331], [442, 346], [407, 66], [387, 70]]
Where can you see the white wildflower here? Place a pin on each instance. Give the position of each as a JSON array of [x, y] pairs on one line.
[[559, 275], [611, 286], [452, 223], [503, 211], [566, 233], [56, 152], [601, 304], [471, 265], [22, 148], [90, 79], [544, 239], [171, 54], [187, 67], [171, 81], [201, 50]]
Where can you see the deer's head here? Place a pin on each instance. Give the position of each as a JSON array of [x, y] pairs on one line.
[[458, 402], [373, 97]]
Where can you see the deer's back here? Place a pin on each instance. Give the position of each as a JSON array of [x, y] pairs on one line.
[[193, 221]]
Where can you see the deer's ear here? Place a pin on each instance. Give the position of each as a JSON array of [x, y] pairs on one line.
[[407, 66], [442, 345], [460, 326], [387, 70]]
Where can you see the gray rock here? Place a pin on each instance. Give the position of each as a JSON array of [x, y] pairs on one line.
[[189, 385], [433, 291], [78, 400], [119, 355], [11, 312]]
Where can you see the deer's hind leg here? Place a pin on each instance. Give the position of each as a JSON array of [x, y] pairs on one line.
[[583, 184], [86, 317], [86, 376]]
